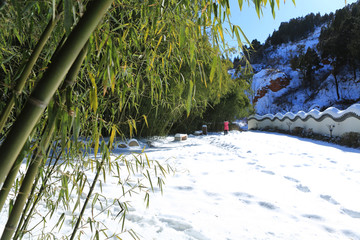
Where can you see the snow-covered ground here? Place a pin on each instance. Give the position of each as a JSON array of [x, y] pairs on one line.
[[246, 185]]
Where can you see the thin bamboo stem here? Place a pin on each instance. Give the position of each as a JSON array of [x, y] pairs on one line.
[[47, 86], [87, 198]]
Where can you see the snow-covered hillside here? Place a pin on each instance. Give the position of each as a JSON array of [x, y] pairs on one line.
[[279, 88]]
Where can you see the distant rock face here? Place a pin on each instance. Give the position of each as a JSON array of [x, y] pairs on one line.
[[270, 80]]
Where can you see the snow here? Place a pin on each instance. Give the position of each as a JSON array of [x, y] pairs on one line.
[[281, 54], [245, 185], [295, 97]]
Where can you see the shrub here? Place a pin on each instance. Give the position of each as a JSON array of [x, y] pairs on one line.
[[299, 131], [350, 139]]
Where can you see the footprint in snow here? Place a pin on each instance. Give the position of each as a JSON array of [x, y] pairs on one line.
[[268, 172], [351, 213], [211, 194], [329, 199], [243, 197], [302, 188], [351, 234], [184, 188], [242, 194], [329, 229], [182, 226], [291, 179], [267, 205], [313, 217], [176, 224]]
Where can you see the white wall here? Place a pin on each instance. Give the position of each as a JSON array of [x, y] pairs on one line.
[[320, 122]]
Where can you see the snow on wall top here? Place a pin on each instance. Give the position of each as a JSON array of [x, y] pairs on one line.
[[332, 111]]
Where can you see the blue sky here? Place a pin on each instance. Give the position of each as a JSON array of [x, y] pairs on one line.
[[261, 28]]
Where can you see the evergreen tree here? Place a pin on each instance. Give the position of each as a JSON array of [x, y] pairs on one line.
[[339, 41], [309, 62]]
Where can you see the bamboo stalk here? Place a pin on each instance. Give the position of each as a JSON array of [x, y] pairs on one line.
[[10, 179], [69, 81], [25, 218], [27, 185], [47, 86], [27, 190], [39, 99], [15, 168], [28, 67]]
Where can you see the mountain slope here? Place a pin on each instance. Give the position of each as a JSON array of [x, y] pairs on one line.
[[279, 87]]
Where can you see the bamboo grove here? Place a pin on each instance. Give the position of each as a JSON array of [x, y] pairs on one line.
[[78, 75]]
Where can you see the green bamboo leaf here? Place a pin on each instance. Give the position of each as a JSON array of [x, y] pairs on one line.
[[257, 7], [134, 125], [189, 98], [96, 196], [130, 128], [278, 3], [215, 10], [147, 199], [64, 131], [123, 221], [237, 34], [65, 187], [272, 4], [96, 141], [243, 34], [149, 178], [182, 36], [76, 126], [192, 51], [147, 160], [112, 135], [93, 94], [213, 68], [160, 184], [145, 119]]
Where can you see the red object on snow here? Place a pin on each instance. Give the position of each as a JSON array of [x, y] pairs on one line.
[[226, 125]]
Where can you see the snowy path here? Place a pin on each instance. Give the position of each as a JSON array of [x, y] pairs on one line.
[[255, 185], [248, 185]]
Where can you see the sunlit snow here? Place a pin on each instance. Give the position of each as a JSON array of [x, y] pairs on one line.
[[246, 185]]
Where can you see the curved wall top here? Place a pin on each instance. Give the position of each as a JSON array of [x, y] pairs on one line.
[[332, 112], [331, 122]]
